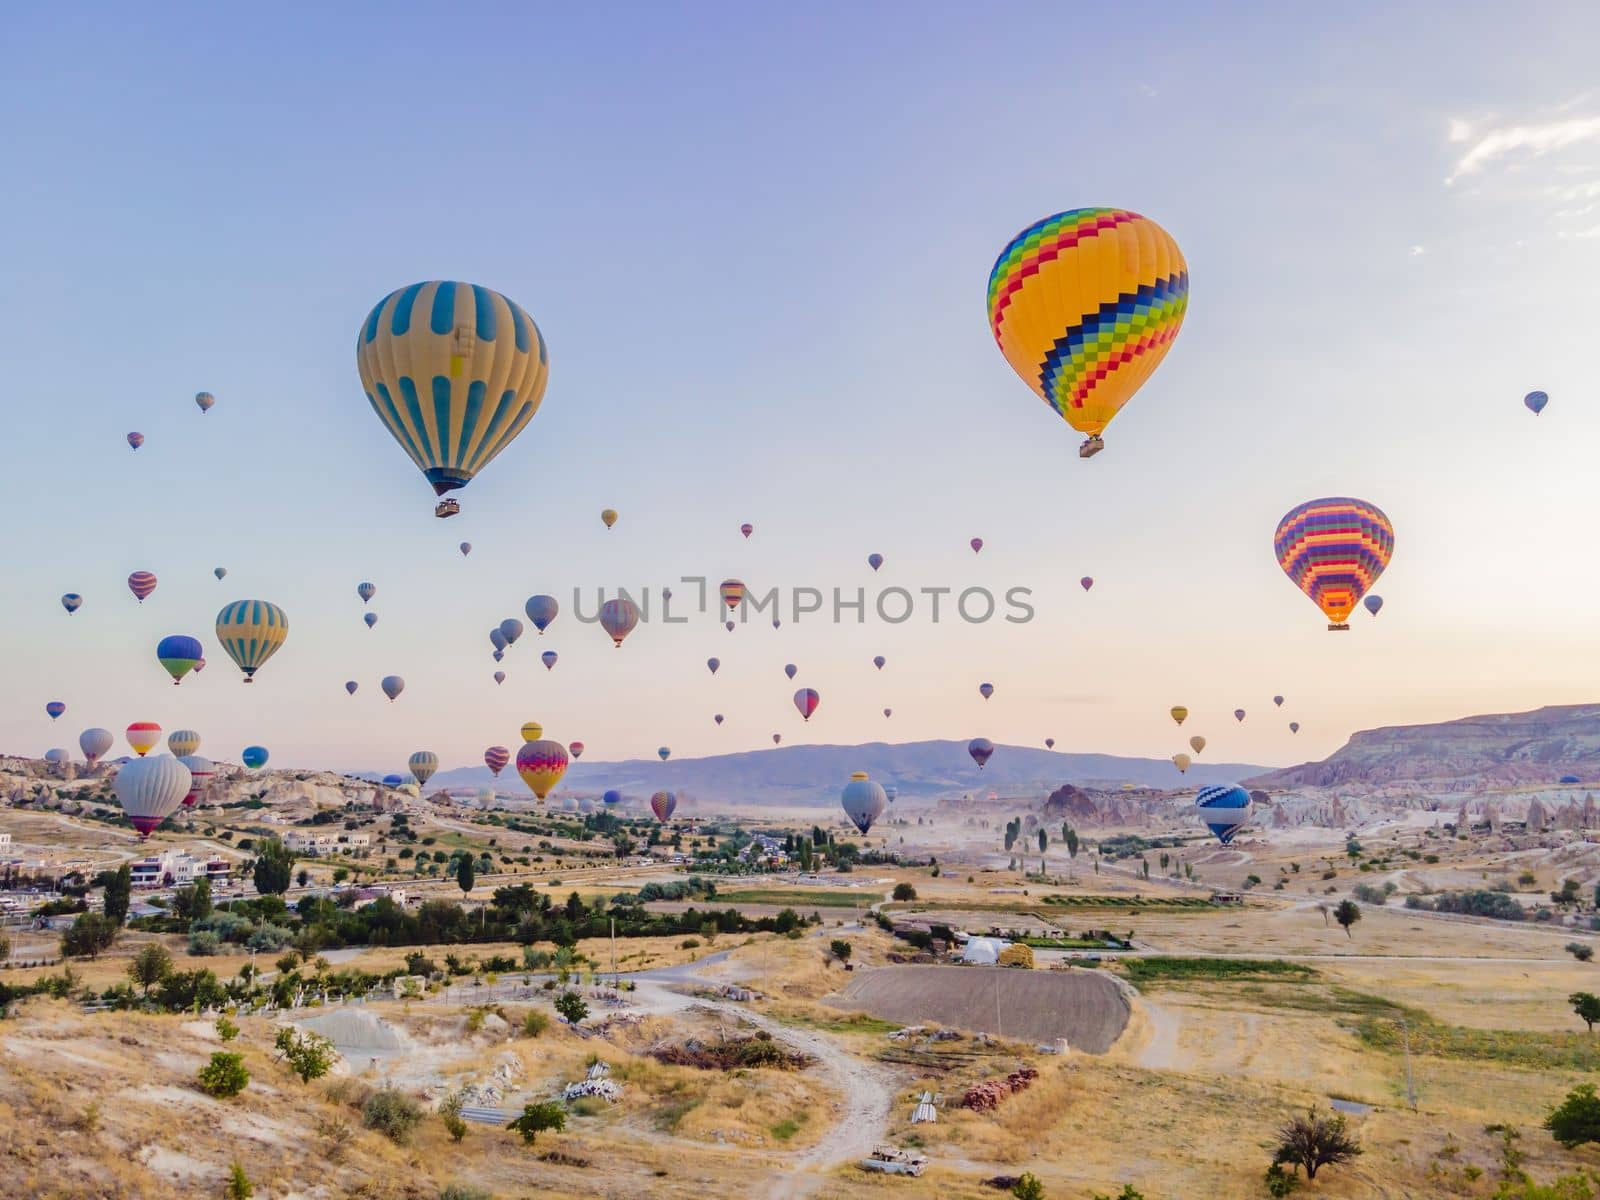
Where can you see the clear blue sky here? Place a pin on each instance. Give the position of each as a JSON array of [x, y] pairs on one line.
[[757, 242]]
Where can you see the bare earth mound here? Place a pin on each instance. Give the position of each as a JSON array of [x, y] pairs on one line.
[[1085, 1007]]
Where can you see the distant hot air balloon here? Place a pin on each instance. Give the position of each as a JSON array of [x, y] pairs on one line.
[[732, 592], [254, 757], [980, 749], [541, 611], [1333, 550], [497, 639], [806, 701], [776, 622], [575, 749], [178, 654], [986, 690], [1536, 402], [891, 792], [499, 676], [57, 757], [199, 664], [1278, 700], [94, 743], [608, 517], [548, 658], [541, 765], [1224, 808], [183, 742], [611, 798], [136, 440], [392, 686], [54, 709], [204, 400], [747, 529], [251, 631], [1181, 761], [878, 660], [776, 738], [712, 664], [465, 548], [454, 371], [863, 801], [423, 764], [976, 544], [485, 797], [618, 618], [200, 772], [366, 591], [72, 602], [142, 736], [1197, 743], [1179, 713], [1086, 583], [790, 670], [350, 685], [1084, 305], [220, 572], [717, 717], [511, 630], [874, 561], [1049, 743], [728, 625], [141, 584], [496, 758], [371, 619], [1294, 726], [663, 752], [532, 731], [150, 790], [888, 712], [1238, 714], [1373, 604], [663, 805]]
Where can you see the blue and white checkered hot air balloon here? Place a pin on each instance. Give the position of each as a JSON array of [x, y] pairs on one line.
[[1224, 808]]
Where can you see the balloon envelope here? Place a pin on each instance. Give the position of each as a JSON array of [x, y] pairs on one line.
[[1049, 743], [141, 584], [747, 529], [366, 590], [1181, 761], [465, 548], [541, 765], [393, 780], [1278, 700], [94, 743], [496, 758], [976, 544], [712, 664], [511, 630], [663, 805], [254, 757], [548, 658], [497, 639], [878, 661], [1238, 714], [986, 690], [717, 718], [183, 742], [204, 400], [371, 619], [1333, 550], [790, 670], [423, 764], [1197, 743], [499, 676], [1224, 808], [575, 749], [54, 709], [541, 611], [350, 685], [611, 797], [252, 631], [200, 772], [1373, 604], [863, 801], [1294, 726], [608, 517], [663, 752], [72, 602], [1536, 402], [142, 736], [136, 440], [618, 618], [178, 655], [732, 592], [150, 790], [220, 572], [874, 561], [1179, 713], [532, 731], [392, 686], [1086, 583], [806, 701], [980, 749]]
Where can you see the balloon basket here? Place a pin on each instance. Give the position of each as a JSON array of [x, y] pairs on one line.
[[1091, 446], [447, 508], [1338, 628]]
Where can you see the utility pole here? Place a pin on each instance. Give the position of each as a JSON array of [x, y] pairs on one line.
[[616, 980], [1411, 1088]]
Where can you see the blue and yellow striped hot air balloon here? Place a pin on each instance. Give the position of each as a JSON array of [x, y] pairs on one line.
[[454, 371], [251, 632]]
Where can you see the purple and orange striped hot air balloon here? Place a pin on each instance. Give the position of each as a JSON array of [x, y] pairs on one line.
[[496, 758], [1333, 550], [141, 584], [663, 805], [541, 764]]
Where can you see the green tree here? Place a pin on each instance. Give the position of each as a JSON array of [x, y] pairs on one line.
[[309, 1055], [1347, 914], [1044, 839], [536, 1118], [226, 1029], [302, 877], [1587, 1006], [1314, 1141], [391, 1113], [193, 901], [150, 966], [904, 891], [224, 1075], [119, 892], [1028, 1188], [571, 1006], [273, 867], [239, 1186], [5, 946], [464, 874], [88, 935], [450, 1114], [1576, 1119], [840, 949]]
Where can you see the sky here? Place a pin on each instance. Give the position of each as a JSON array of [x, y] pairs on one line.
[[757, 243]]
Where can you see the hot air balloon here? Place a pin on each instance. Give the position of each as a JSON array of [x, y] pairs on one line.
[[141, 584], [541, 765], [874, 561], [1197, 743], [728, 625], [183, 742], [747, 529], [1278, 700], [986, 690], [371, 619], [1224, 808], [663, 752], [497, 639], [1049, 743], [1181, 761], [732, 591], [790, 670], [150, 790], [980, 749], [94, 743], [618, 617], [54, 709], [1084, 305], [454, 371], [1238, 714], [1536, 402], [863, 801], [1333, 550], [878, 660], [499, 676], [254, 757], [891, 792], [575, 749], [220, 572], [136, 440], [1294, 726], [541, 611], [178, 655], [423, 764], [465, 548], [548, 658], [72, 602], [57, 757], [663, 805], [712, 664], [496, 758], [204, 400], [392, 686], [142, 736], [806, 701], [608, 517], [888, 712], [1373, 604], [350, 685], [511, 630], [199, 664], [200, 772], [366, 591], [976, 544], [776, 738], [485, 797], [1179, 713], [1086, 583], [776, 622], [251, 631], [611, 798], [717, 718], [532, 731]]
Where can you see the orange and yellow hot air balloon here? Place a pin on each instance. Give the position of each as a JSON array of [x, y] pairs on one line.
[[1333, 550], [1084, 305], [541, 764], [1179, 712]]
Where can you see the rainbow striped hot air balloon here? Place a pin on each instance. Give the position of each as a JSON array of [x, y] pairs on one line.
[[1084, 305], [142, 736], [251, 631], [732, 592], [178, 655], [541, 764], [663, 804], [496, 758], [183, 742], [1333, 550], [454, 371], [141, 584]]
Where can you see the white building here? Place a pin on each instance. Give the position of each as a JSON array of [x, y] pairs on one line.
[[325, 841]]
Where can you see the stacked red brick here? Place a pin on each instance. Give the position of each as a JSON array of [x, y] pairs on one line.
[[986, 1096]]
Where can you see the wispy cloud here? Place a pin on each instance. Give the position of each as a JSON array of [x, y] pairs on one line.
[[1526, 141]]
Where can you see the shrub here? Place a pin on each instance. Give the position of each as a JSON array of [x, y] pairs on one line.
[[904, 891], [1581, 951], [1028, 1188], [1280, 1182], [224, 1076], [203, 943], [572, 1007], [536, 1118], [392, 1114], [239, 1186], [534, 1023], [450, 1114], [226, 1029], [459, 1191], [309, 1055], [1576, 1119]]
